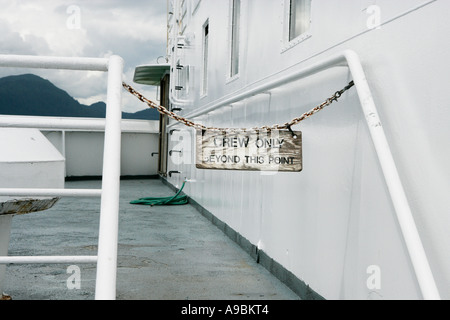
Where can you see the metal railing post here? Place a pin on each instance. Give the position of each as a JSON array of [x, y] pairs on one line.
[[109, 214], [393, 181]]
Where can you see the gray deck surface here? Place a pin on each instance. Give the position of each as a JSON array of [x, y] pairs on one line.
[[165, 253]]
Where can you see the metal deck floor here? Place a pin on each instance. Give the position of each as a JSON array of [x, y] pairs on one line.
[[165, 253]]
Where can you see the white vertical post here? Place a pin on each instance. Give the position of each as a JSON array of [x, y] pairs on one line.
[[5, 231], [63, 147], [404, 215], [109, 214]]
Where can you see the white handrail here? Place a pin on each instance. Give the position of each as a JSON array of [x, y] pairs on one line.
[[266, 86], [109, 212], [405, 218], [404, 215], [16, 192]]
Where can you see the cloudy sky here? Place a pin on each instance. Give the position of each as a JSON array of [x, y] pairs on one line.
[[134, 30]]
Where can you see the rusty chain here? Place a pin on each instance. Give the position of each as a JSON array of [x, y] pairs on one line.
[[190, 123]]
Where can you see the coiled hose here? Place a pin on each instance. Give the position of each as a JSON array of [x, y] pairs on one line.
[[176, 200]]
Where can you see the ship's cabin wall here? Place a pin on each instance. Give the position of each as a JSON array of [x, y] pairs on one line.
[[333, 225]]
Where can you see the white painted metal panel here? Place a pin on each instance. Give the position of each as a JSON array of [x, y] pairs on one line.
[[334, 220]]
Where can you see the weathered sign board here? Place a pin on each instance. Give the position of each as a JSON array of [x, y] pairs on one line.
[[275, 150]]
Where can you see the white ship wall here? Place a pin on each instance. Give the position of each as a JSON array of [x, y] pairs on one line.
[[334, 223], [84, 153]]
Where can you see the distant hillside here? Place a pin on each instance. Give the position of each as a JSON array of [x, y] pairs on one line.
[[31, 95]]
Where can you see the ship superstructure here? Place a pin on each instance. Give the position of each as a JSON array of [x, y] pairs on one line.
[[367, 217]]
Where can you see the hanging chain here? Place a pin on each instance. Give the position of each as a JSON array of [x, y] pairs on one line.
[[190, 123]]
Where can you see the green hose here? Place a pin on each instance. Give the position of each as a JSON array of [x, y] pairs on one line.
[[176, 200]]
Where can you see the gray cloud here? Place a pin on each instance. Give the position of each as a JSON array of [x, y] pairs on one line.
[[12, 42], [135, 30]]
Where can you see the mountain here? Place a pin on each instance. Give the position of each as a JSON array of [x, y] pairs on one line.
[[31, 95]]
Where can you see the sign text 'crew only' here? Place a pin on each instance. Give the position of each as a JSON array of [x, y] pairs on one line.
[[275, 150]]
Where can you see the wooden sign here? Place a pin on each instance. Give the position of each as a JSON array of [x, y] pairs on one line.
[[276, 150]]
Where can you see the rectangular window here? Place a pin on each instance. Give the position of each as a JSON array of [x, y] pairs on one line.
[[300, 18], [205, 57], [235, 26]]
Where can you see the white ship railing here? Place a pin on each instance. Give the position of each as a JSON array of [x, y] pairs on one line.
[[76, 124], [405, 218], [106, 258]]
